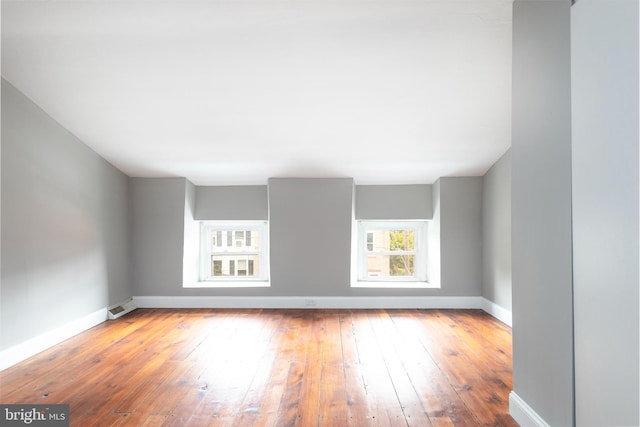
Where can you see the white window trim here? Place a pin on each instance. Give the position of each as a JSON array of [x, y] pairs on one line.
[[418, 280], [205, 278]]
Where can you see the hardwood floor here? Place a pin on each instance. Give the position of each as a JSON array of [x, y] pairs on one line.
[[277, 368]]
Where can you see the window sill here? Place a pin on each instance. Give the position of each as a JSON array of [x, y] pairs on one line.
[[394, 285], [229, 284]]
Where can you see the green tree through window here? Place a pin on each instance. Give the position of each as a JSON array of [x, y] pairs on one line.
[[401, 240]]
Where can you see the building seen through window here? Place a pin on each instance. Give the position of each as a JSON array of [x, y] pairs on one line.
[[233, 250]]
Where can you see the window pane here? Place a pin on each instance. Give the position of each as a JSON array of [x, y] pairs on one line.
[[255, 241], [236, 241], [390, 265], [390, 240], [216, 268], [242, 267], [239, 239], [233, 250], [400, 240], [377, 266], [235, 265], [401, 265]]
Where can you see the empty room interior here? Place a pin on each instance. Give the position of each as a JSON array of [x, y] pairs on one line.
[[319, 212]]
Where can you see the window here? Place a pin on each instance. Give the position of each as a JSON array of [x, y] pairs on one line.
[[392, 251], [234, 251]]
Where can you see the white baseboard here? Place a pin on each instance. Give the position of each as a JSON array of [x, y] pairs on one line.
[[523, 414], [496, 311], [306, 302], [26, 349]]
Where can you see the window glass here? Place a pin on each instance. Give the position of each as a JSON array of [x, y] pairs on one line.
[[392, 251], [237, 251]]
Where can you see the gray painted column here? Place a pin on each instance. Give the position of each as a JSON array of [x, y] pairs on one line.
[[157, 241], [460, 220], [604, 50], [541, 211], [310, 234]]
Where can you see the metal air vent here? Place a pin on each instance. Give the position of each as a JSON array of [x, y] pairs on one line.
[[120, 310]]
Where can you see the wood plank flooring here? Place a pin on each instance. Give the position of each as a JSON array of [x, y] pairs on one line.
[[158, 367]]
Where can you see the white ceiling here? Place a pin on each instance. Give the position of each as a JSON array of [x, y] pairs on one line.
[[233, 92]]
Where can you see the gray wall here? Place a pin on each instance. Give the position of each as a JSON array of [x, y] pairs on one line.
[[605, 211], [191, 241], [496, 233], [461, 235], [65, 225], [157, 238], [541, 210], [310, 233], [246, 202], [434, 270], [393, 202]]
